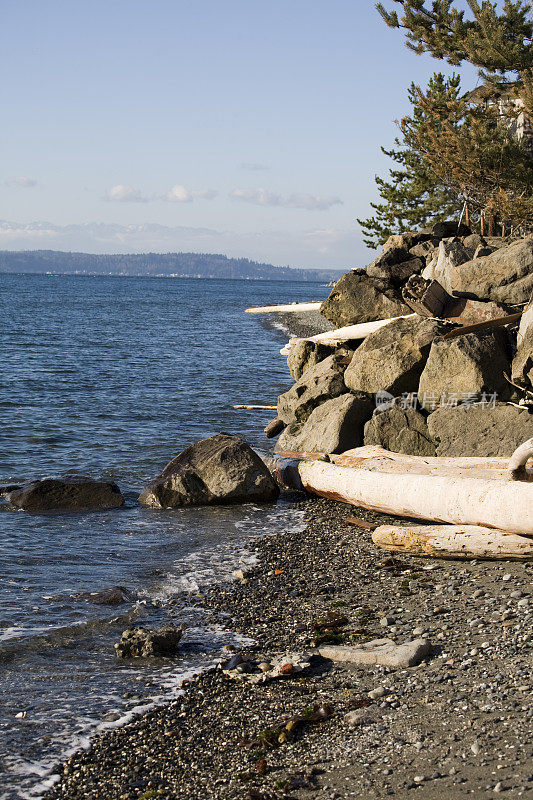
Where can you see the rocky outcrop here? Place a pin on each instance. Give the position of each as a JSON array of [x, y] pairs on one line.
[[522, 372], [306, 354], [465, 368], [392, 358], [480, 430], [220, 470], [505, 276], [318, 384], [400, 430], [335, 426], [142, 643], [70, 493], [356, 298]]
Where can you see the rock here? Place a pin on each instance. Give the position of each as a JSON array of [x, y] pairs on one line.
[[394, 275], [424, 249], [469, 312], [465, 368], [356, 298], [363, 716], [114, 596], [405, 241], [451, 253], [522, 370], [143, 643], [392, 358], [481, 251], [320, 383], [505, 276], [443, 230], [400, 430], [220, 470], [335, 426], [380, 651], [69, 493], [304, 355], [474, 241], [479, 430]]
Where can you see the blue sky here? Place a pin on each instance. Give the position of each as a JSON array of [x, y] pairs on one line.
[[251, 129]]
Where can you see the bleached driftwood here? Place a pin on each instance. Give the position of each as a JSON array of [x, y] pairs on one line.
[[346, 334], [471, 497], [518, 461], [255, 408], [284, 308], [376, 458], [454, 541]]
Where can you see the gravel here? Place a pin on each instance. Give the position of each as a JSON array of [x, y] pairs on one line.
[[457, 725]]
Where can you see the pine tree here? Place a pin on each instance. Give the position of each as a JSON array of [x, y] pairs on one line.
[[498, 42], [414, 194]]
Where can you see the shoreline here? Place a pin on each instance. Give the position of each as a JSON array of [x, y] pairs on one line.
[[456, 725]]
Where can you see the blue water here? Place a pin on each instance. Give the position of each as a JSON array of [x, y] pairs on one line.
[[113, 376]]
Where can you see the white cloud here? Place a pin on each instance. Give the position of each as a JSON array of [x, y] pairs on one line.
[[252, 166], [124, 194], [262, 197], [21, 180], [180, 194]]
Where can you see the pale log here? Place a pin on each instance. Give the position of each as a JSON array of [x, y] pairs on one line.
[[256, 408], [519, 459], [294, 307], [346, 334], [454, 541]]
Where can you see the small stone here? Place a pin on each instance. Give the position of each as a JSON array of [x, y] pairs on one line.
[[475, 748], [498, 788], [507, 577], [375, 694], [362, 716], [264, 666], [386, 621], [419, 778]]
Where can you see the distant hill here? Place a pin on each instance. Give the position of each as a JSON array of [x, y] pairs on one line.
[[181, 265]]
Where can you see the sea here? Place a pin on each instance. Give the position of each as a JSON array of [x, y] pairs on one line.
[[111, 377]]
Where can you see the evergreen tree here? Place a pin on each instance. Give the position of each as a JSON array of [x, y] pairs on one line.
[[499, 42], [414, 194]]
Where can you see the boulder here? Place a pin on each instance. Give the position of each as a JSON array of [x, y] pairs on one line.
[[319, 383], [480, 430], [400, 430], [113, 596], [522, 371], [474, 241], [451, 253], [335, 426], [405, 241], [69, 493], [465, 368], [356, 298], [392, 358], [306, 354], [443, 230], [142, 643], [505, 276], [424, 249], [396, 274], [220, 470]]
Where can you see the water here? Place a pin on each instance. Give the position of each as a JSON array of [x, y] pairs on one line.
[[112, 377]]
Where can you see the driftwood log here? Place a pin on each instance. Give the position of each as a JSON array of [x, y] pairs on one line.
[[274, 427], [346, 334], [255, 408], [295, 307], [454, 541]]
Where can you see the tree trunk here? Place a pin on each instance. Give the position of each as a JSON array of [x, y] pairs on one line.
[[454, 541]]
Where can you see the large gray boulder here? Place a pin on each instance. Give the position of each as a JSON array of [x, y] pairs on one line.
[[451, 254], [480, 430], [400, 430], [335, 426], [522, 372], [220, 470], [394, 275], [464, 368], [318, 384], [70, 493], [505, 276], [356, 298], [392, 358], [143, 643], [306, 354]]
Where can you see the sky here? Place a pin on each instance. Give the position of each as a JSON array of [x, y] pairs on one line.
[[238, 127]]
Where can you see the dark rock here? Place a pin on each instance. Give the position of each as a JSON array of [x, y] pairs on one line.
[[392, 358], [356, 298], [505, 276], [335, 426], [114, 596], [480, 430], [318, 384], [423, 249], [443, 230], [481, 251], [400, 430], [70, 493], [396, 273], [464, 368], [306, 354], [220, 470], [143, 643]]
